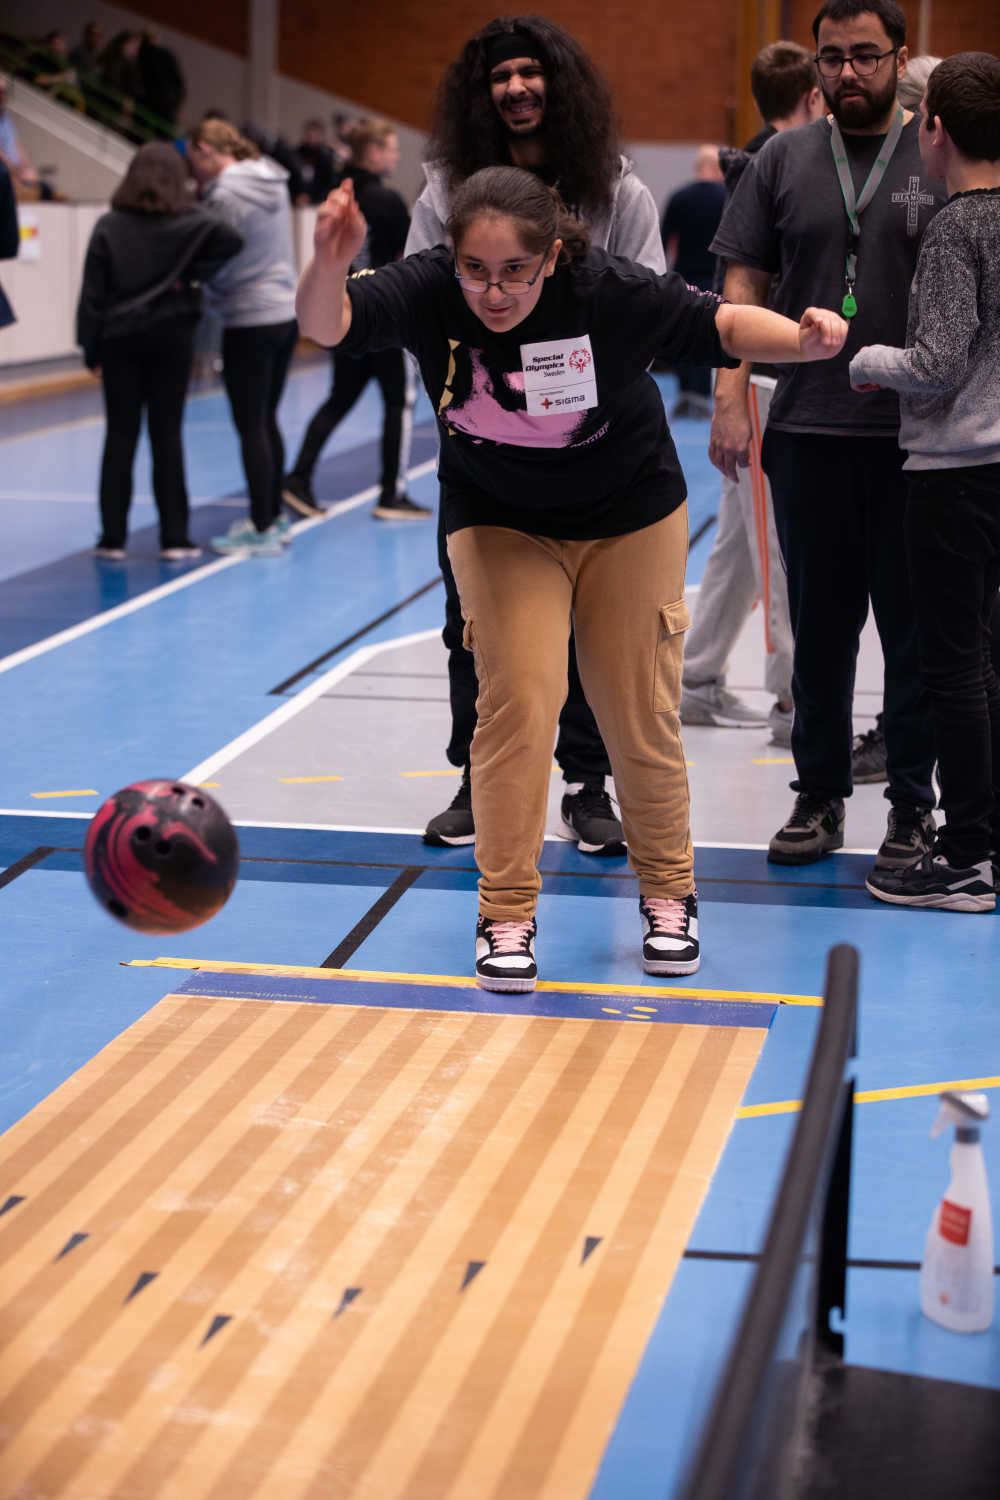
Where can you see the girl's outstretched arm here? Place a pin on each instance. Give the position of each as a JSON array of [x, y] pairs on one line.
[[757, 333], [321, 303]]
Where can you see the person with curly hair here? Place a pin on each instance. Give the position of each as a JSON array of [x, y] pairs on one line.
[[524, 93]]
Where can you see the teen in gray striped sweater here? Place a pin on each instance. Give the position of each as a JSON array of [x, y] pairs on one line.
[[948, 379]]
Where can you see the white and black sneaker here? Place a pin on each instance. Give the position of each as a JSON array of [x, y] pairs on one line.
[[454, 826], [670, 934], [933, 882], [505, 955], [589, 817]]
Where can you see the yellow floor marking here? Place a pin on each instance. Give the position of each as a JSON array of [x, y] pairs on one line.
[[86, 791], [463, 981], [773, 760], [873, 1096], [208, 783], [290, 780], [450, 771]]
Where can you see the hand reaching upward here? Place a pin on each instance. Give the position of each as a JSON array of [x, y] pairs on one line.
[[340, 228]]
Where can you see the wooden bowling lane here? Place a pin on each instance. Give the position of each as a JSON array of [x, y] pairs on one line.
[[312, 1250]]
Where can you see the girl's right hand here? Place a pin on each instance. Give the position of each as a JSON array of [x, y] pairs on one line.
[[340, 228]]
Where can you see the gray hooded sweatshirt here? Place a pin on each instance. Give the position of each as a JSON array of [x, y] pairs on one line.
[[257, 286], [631, 228]]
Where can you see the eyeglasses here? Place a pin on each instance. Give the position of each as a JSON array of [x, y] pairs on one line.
[[506, 287], [863, 64]]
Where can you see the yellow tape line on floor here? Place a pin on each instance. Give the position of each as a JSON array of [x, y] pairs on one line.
[[873, 1096], [462, 981]]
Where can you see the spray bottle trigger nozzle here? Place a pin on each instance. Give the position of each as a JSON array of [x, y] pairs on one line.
[[961, 1110]]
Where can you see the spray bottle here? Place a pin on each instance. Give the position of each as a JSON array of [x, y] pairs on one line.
[[956, 1278]]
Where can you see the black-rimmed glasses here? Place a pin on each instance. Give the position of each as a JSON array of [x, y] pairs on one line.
[[507, 287], [863, 64]]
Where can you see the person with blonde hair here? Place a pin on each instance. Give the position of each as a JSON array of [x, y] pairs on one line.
[[911, 87], [374, 153], [253, 297]]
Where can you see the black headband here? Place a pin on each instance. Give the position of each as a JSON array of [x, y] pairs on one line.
[[508, 44]]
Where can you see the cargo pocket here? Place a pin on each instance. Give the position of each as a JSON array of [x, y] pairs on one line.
[[674, 620], [484, 699]]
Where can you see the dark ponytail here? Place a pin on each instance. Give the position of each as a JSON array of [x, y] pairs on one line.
[[510, 192]]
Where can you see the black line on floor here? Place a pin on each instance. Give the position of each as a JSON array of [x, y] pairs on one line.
[[26, 862], [433, 866], [349, 640], [372, 917], [709, 521]]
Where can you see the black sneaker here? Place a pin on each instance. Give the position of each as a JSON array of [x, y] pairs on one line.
[[505, 955], [454, 825], [298, 496], [909, 834], [670, 934], [868, 755], [815, 828], [932, 881], [589, 818], [401, 508]]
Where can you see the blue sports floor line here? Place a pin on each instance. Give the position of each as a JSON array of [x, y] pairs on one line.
[[169, 684]]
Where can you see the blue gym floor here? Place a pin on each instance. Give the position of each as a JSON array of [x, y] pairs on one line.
[[112, 673]]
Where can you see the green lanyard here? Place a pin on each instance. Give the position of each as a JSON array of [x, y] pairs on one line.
[[856, 206]]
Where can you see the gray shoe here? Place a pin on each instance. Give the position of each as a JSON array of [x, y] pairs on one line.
[[711, 703], [815, 828], [909, 835], [780, 723], [868, 755]]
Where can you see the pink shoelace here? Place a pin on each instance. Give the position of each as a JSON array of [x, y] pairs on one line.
[[666, 915], [510, 937]]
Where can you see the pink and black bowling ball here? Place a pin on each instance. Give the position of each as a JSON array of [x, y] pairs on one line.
[[161, 856]]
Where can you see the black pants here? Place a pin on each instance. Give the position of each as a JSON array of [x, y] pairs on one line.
[[838, 506], [145, 372], [350, 376], [580, 751], [695, 380], [254, 366], [953, 547]]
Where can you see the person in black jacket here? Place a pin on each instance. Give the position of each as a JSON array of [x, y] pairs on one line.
[[139, 304], [10, 237], [374, 153]]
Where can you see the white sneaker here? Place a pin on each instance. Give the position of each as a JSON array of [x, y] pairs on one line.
[[711, 703], [243, 536]]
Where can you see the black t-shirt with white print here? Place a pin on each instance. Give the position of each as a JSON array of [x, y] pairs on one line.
[[555, 427]]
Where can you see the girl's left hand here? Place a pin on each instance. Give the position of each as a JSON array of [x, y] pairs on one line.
[[821, 333]]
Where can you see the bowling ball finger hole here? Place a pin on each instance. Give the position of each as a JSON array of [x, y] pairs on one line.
[[142, 834], [162, 847], [117, 910]]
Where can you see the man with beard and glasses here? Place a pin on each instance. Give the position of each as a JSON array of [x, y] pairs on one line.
[[833, 213], [524, 93]]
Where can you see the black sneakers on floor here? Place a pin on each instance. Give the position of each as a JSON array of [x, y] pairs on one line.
[[505, 955], [868, 755], [815, 828], [589, 817], [401, 508], [932, 881], [670, 934], [455, 825], [298, 496], [909, 834]]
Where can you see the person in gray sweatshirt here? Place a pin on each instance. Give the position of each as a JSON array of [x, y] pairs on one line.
[[948, 379], [253, 297]]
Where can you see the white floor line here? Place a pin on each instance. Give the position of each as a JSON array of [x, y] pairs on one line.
[[296, 704], [196, 575]]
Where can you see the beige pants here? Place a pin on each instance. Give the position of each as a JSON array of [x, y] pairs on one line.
[[626, 598]]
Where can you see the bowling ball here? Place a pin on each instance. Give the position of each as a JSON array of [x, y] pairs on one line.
[[161, 856]]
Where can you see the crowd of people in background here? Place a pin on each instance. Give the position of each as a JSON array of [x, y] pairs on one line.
[[779, 436]]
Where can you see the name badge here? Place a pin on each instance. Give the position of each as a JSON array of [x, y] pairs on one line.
[[559, 376]]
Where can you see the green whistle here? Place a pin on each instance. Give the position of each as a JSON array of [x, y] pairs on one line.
[[849, 305]]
